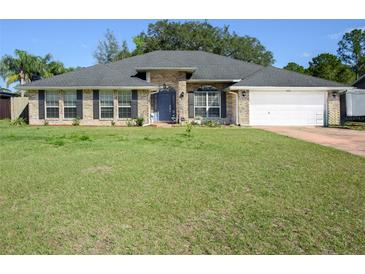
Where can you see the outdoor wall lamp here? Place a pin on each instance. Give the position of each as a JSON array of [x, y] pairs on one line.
[[182, 94], [334, 94], [243, 93]]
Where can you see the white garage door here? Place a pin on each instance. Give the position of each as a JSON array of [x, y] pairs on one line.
[[292, 108]]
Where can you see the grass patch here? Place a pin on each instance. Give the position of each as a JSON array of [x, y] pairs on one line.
[[79, 190], [353, 125]]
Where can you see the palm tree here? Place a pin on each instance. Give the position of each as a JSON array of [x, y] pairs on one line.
[[22, 68]]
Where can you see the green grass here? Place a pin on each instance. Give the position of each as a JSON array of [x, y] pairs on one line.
[[78, 190], [354, 125]]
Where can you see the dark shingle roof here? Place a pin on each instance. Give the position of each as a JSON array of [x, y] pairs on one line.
[[94, 76], [275, 77], [205, 66], [360, 83]]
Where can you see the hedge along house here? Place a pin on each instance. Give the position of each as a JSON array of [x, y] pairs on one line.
[[181, 86]]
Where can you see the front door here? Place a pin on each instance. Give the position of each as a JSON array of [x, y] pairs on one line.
[[166, 105]]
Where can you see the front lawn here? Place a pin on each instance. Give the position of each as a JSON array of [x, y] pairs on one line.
[[78, 190]]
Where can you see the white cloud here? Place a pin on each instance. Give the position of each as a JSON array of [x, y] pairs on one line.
[[306, 54], [338, 35]]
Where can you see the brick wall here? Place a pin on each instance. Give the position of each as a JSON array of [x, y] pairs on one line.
[[334, 115], [87, 110]]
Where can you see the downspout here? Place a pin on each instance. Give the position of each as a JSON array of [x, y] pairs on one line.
[[237, 102]]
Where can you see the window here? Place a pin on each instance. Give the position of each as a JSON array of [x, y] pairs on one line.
[[69, 101], [207, 104], [52, 104], [106, 105], [125, 104]]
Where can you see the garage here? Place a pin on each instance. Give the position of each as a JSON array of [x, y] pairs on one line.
[[287, 108]]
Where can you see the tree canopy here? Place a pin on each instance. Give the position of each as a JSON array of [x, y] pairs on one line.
[[193, 35], [326, 66], [352, 50], [25, 67], [109, 50], [295, 67], [329, 66]]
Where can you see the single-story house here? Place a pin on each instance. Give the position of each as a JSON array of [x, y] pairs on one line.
[[182, 86]]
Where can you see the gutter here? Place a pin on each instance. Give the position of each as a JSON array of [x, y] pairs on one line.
[[269, 88], [86, 87]]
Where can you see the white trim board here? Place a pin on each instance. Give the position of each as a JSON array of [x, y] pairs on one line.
[[89, 87], [289, 88]]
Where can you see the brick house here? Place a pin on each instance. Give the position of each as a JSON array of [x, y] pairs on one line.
[[182, 86]]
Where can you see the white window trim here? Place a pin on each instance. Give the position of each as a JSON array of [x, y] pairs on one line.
[[124, 118], [112, 93], [207, 106], [45, 107], [64, 107]]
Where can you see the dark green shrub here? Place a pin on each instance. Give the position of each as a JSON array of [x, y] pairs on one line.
[[139, 121]]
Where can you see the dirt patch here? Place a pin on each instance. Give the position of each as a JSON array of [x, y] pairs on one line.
[[97, 169]]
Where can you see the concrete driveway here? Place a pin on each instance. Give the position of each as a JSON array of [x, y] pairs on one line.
[[352, 141]]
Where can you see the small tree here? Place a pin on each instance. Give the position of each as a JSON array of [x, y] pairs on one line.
[[108, 49], [352, 50]]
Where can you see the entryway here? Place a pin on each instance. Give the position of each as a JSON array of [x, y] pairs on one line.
[[164, 105]]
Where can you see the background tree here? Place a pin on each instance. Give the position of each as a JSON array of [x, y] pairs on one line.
[[25, 67], [22, 68], [352, 50], [330, 67], [295, 67], [108, 49], [165, 35], [124, 52]]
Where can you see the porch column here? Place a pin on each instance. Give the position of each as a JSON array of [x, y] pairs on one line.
[[182, 102]]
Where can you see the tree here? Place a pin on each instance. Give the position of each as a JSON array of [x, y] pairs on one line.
[[22, 68], [165, 35], [295, 67], [124, 52], [330, 67], [352, 50], [25, 67], [108, 49]]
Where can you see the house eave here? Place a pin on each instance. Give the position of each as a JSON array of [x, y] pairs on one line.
[[85, 87], [213, 80], [187, 69], [269, 88]]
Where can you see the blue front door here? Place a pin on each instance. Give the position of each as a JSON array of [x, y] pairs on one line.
[[166, 105]]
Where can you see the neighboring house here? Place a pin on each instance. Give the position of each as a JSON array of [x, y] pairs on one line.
[[5, 103], [181, 86], [353, 103]]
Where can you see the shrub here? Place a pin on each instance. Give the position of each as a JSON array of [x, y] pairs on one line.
[[45, 123], [139, 121], [188, 129], [130, 123], [18, 122], [112, 123], [211, 123], [76, 122]]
